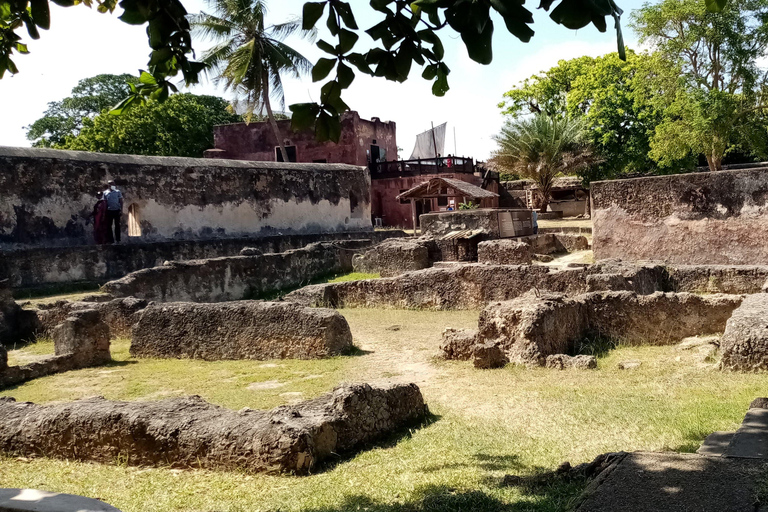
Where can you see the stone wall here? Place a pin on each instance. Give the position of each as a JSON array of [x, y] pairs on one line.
[[80, 340], [236, 277], [47, 196], [239, 330], [698, 218], [101, 263], [532, 327], [468, 286], [191, 433]]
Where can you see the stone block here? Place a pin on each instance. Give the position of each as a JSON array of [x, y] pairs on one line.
[[458, 344], [570, 243], [83, 335], [504, 252], [488, 355], [191, 433], [393, 257], [744, 344], [563, 361], [239, 330], [607, 282]]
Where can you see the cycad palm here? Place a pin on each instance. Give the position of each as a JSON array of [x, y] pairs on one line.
[[249, 57], [542, 147]]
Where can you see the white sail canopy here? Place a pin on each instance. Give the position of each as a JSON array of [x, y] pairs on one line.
[[426, 142]]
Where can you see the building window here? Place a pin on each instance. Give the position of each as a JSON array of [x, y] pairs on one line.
[[134, 222], [291, 150], [442, 201]]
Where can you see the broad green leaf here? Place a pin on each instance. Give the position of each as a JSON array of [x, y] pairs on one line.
[[715, 5], [303, 115], [312, 12], [322, 68], [147, 79], [345, 12], [344, 75], [479, 45], [326, 47], [41, 13], [347, 40]]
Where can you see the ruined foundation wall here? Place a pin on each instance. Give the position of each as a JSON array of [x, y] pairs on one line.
[[698, 218], [236, 277], [239, 330], [468, 286], [101, 263], [191, 433], [47, 196]]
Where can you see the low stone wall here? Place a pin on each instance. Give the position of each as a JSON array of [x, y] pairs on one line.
[[239, 330], [531, 328], [118, 314], [698, 218], [16, 324], [191, 433], [468, 286], [236, 277], [504, 252], [80, 341], [101, 263], [745, 342], [394, 256]]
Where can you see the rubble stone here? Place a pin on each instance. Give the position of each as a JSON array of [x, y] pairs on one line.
[[563, 361], [488, 355], [393, 257], [504, 252], [744, 344], [84, 335], [458, 344], [191, 433], [239, 330]]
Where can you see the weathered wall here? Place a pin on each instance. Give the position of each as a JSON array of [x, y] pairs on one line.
[[244, 329], [101, 263], [256, 141], [47, 196], [236, 277], [699, 218]]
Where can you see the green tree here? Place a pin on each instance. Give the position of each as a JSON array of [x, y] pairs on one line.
[[180, 126], [541, 148], [609, 96], [65, 118], [249, 57], [710, 103]]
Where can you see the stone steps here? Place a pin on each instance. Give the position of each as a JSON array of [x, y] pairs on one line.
[[750, 441]]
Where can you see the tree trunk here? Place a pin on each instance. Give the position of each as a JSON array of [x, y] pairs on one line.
[[715, 162], [271, 116]]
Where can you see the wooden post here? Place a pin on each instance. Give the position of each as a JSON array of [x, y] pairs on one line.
[[413, 214]]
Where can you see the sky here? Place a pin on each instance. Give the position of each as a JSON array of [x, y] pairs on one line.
[[83, 43]]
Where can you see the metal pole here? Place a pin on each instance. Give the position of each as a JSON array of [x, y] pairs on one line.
[[434, 142]]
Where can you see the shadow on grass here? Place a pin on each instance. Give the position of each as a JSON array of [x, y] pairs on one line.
[[388, 441], [442, 498], [355, 351], [484, 462], [114, 363]]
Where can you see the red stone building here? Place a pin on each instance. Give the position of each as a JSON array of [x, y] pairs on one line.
[[367, 143], [361, 142]]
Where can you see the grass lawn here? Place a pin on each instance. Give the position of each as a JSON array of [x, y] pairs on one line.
[[488, 423]]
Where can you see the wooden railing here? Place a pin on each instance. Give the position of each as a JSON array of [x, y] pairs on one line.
[[442, 165]]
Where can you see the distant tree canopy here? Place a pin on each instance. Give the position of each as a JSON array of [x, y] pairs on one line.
[[699, 93], [65, 118], [180, 126]]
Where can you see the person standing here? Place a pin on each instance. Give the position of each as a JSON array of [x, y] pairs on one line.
[[114, 199], [100, 220]]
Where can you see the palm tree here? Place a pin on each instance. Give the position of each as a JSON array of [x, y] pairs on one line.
[[249, 57], [541, 148]]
